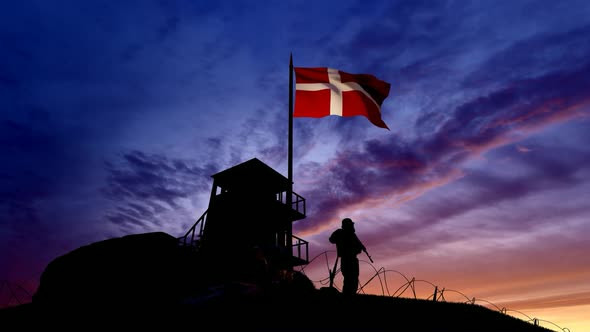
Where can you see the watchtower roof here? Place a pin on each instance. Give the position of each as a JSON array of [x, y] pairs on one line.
[[252, 175]]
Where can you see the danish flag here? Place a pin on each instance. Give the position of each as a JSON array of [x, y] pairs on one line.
[[325, 91]]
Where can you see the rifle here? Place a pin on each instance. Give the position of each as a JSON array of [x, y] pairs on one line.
[[333, 272], [365, 250]]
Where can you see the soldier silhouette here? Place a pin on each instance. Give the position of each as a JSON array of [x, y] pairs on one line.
[[348, 246]]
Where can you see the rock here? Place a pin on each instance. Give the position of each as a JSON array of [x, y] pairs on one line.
[[145, 269]]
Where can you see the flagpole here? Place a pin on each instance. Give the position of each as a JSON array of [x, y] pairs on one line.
[[289, 234], [291, 121]]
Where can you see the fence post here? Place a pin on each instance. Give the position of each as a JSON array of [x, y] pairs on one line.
[[434, 295]]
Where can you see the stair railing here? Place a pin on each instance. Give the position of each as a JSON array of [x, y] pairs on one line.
[[189, 239]]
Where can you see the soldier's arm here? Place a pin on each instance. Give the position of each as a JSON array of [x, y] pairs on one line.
[[334, 237]]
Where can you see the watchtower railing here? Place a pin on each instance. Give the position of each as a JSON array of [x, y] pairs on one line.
[[188, 239], [297, 201], [301, 247]]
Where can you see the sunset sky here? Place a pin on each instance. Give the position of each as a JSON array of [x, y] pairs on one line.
[[115, 114]]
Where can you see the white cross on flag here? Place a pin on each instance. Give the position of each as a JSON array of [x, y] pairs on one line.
[[324, 91]]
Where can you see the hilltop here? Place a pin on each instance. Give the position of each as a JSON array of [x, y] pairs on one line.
[[146, 282], [311, 312]]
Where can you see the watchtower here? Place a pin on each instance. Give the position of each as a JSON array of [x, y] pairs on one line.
[[248, 223]]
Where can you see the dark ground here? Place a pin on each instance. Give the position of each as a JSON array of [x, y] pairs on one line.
[[319, 311], [146, 282]]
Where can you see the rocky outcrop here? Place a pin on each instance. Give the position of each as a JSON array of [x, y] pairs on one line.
[[146, 269]]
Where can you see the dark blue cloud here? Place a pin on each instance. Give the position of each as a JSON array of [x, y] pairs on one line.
[[33, 164], [533, 57]]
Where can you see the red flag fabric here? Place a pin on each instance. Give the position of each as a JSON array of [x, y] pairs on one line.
[[325, 91]]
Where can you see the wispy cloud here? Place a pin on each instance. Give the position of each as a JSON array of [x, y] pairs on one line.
[[562, 300], [143, 187]]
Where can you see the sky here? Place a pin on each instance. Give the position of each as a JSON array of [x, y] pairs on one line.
[[115, 114]]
